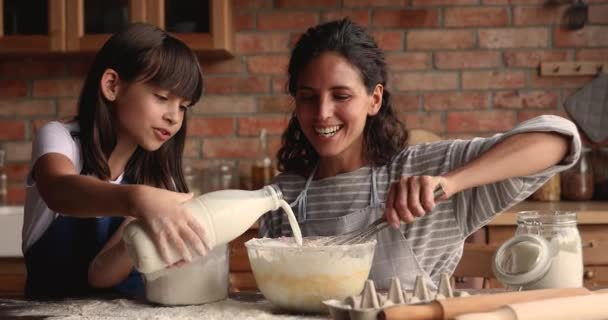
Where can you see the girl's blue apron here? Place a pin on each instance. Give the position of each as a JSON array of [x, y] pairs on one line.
[[58, 263]]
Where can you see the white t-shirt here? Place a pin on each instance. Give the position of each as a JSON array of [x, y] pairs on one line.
[[53, 137]]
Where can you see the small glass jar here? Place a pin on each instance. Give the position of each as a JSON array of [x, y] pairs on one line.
[[545, 252], [599, 162], [577, 182], [550, 191]]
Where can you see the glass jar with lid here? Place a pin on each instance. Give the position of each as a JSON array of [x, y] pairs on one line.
[[545, 252], [577, 182]]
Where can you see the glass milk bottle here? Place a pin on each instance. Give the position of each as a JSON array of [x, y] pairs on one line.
[[225, 215], [546, 252]]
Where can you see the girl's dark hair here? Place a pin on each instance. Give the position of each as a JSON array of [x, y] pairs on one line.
[[384, 135], [141, 53]]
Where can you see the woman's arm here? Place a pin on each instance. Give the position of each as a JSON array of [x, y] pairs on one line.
[[518, 155], [112, 264]]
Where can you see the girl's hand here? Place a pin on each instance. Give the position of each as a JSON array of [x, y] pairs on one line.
[[412, 197], [169, 221]]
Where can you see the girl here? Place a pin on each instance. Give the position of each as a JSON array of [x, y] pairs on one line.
[[344, 162], [120, 159]]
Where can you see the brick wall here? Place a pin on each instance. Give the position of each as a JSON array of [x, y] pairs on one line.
[[458, 67]]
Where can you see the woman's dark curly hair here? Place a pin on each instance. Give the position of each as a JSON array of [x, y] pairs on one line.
[[384, 134]]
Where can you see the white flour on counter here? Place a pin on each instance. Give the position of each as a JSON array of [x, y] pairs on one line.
[[127, 309]]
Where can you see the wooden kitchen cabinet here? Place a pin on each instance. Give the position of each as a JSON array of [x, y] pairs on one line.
[[83, 26], [592, 218], [12, 277], [24, 28]]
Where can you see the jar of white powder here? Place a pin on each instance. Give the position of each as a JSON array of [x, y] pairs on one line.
[[545, 252]]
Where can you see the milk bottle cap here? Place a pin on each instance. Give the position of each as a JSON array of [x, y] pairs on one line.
[[523, 259]]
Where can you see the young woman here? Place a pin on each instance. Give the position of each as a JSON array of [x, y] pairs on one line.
[[120, 159], [344, 162]]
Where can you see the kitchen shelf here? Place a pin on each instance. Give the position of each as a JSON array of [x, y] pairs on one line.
[[588, 212]]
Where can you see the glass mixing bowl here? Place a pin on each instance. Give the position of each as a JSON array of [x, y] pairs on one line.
[[299, 278]]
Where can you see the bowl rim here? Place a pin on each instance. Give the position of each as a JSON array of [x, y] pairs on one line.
[[253, 243]]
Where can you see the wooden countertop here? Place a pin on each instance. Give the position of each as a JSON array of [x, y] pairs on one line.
[[588, 212]]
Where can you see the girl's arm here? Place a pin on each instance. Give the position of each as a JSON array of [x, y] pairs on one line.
[[67, 192], [112, 264]]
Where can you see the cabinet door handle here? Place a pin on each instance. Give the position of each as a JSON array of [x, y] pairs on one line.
[[588, 275], [590, 244]]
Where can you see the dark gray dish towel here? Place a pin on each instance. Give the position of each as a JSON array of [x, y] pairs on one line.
[[588, 108]]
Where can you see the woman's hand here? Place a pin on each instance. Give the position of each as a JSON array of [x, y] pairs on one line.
[[169, 221], [412, 197]]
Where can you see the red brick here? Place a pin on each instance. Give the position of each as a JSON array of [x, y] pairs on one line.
[[524, 115], [467, 59], [274, 64], [247, 43], [37, 124], [19, 108], [211, 104], [425, 81], [230, 148], [31, 67], [251, 4], [13, 88], [443, 2], [374, 3], [537, 81], [16, 194], [533, 58], [80, 66], [480, 121], [308, 4], [276, 103], [476, 17], [244, 21], [210, 126], [57, 88], [422, 120], [590, 36], [17, 151], [279, 84], [17, 172], [388, 40], [232, 85], [527, 2], [67, 107], [525, 100], [251, 126], [360, 17], [405, 102], [450, 39], [224, 66], [592, 54], [598, 14], [12, 129], [192, 148], [408, 61], [455, 101], [513, 38], [405, 18], [286, 20], [493, 79], [538, 15]]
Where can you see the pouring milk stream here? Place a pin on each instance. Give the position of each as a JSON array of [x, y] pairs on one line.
[[225, 215]]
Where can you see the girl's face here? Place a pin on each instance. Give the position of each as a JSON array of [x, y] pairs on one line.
[[332, 105], [147, 116]]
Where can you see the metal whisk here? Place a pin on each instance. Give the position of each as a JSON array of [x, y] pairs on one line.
[[366, 233]]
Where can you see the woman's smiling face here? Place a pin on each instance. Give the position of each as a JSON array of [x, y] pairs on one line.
[[332, 105]]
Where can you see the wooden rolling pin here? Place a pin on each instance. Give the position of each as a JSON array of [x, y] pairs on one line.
[[589, 307], [450, 308]]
